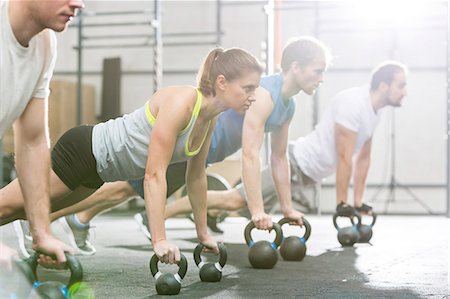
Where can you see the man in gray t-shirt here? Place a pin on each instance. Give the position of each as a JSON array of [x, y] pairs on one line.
[[27, 59]]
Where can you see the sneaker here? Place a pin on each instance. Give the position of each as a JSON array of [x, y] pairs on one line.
[[344, 209], [78, 237], [142, 221], [364, 209], [22, 228]]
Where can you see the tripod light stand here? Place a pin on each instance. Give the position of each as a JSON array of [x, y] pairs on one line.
[[393, 183]]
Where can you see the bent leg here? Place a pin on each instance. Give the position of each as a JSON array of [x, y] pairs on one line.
[[12, 201], [225, 200], [106, 197]]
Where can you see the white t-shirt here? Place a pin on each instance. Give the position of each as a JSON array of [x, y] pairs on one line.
[[24, 72], [351, 108]]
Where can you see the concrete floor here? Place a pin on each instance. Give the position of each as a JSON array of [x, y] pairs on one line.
[[409, 258]]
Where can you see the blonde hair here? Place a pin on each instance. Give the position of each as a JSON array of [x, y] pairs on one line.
[[232, 63]]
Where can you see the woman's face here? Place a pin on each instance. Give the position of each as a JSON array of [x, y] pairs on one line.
[[239, 94]]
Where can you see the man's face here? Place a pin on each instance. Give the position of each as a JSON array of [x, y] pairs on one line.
[[309, 77], [397, 90], [54, 14]]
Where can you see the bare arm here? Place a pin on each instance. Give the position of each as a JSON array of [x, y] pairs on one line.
[[32, 149], [171, 118], [345, 144], [252, 139], [281, 172], [197, 186], [362, 164]]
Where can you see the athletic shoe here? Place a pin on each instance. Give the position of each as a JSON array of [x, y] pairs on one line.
[[22, 228], [78, 237], [142, 221], [344, 209]]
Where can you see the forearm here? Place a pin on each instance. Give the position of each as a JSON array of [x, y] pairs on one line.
[[359, 179], [343, 174], [197, 188], [155, 203], [281, 178], [251, 176], [35, 184]]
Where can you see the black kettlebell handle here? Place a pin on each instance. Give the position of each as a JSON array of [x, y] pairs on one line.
[[276, 227], [222, 255], [305, 224], [154, 266], [73, 264], [358, 225]]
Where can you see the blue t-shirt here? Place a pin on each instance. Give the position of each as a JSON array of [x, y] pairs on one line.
[[227, 134]]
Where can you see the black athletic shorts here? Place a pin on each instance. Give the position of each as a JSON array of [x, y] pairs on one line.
[[73, 161], [175, 177]]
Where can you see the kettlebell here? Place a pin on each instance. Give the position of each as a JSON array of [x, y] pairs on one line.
[[168, 283], [56, 289], [263, 254], [210, 272], [365, 231], [293, 248], [348, 235]]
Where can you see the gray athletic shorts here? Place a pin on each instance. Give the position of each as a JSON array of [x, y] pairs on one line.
[[267, 185]]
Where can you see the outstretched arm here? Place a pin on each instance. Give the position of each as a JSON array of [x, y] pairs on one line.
[[281, 172], [345, 144], [197, 186], [252, 139], [171, 118], [32, 150], [362, 164]]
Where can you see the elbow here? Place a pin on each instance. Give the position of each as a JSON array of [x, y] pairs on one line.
[[151, 178], [250, 157]]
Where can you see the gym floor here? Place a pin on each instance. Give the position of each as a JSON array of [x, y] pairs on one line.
[[408, 258]]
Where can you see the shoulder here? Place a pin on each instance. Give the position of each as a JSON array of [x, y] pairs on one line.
[[48, 38], [175, 97]]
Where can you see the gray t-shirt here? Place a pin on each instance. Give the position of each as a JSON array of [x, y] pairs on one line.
[[120, 146]]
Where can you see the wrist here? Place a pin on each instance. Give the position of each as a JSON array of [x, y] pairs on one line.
[[202, 234], [40, 235], [286, 209]]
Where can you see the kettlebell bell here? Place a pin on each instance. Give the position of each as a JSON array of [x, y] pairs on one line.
[[293, 248], [210, 272], [17, 283], [56, 289], [365, 231], [348, 235], [263, 254], [168, 283]]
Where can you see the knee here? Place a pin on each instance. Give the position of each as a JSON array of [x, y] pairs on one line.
[[120, 192], [235, 201]]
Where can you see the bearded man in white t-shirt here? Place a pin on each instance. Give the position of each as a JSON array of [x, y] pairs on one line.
[[27, 60], [341, 142]]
